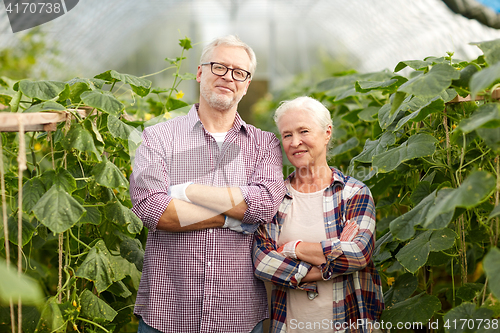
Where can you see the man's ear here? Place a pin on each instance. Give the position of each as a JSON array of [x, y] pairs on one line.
[[246, 87], [198, 74]]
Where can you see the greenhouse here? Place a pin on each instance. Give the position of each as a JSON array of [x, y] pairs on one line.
[[95, 101]]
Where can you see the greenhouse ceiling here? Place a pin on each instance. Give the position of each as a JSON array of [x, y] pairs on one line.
[[289, 36]]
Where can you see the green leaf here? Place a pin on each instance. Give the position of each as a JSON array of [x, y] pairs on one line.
[[344, 147], [465, 76], [494, 213], [57, 210], [471, 192], [120, 266], [139, 85], [42, 90], [60, 177], [386, 118], [102, 100], [422, 190], [466, 313], [95, 309], [27, 231], [93, 216], [376, 147], [484, 115], [185, 43], [418, 145], [433, 83], [423, 107], [97, 267], [122, 216], [51, 319], [92, 128], [119, 289], [108, 175], [418, 309], [188, 76], [45, 106], [76, 90], [368, 114], [404, 286], [491, 50], [483, 79], [403, 227], [468, 291], [118, 128], [415, 64], [131, 249], [491, 264], [13, 286], [366, 86], [414, 254], [491, 137], [33, 190], [174, 104], [442, 239], [80, 139], [398, 99], [5, 99]]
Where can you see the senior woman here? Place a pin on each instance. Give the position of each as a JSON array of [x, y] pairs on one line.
[[317, 250]]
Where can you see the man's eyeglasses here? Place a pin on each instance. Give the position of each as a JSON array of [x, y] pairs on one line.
[[221, 70]]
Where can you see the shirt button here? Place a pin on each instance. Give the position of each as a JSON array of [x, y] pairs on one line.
[[209, 263], [210, 230], [329, 222]]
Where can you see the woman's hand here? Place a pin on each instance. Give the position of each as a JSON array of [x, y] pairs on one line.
[[311, 253]]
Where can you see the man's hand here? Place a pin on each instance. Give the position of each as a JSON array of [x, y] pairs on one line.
[[179, 191]]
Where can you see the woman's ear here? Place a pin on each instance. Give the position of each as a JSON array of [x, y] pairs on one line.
[[328, 133]]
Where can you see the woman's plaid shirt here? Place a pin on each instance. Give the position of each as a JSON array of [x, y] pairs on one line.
[[357, 290]]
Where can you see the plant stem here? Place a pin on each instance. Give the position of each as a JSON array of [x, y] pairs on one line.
[[91, 322], [49, 135], [21, 161], [165, 69], [79, 241], [176, 76], [485, 287], [453, 281], [448, 146], [463, 250], [60, 252], [6, 229], [497, 200]]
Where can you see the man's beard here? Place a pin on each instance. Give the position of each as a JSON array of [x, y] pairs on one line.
[[218, 101]]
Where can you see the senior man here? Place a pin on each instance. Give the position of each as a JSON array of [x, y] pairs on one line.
[[202, 184]]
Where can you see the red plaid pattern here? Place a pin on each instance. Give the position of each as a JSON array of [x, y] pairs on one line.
[[203, 281], [357, 289]]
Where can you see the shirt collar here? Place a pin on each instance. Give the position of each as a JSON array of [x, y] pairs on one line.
[[337, 177], [195, 122]]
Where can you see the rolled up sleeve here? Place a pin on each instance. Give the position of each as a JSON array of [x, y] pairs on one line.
[[274, 267], [266, 188], [149, 181], [348, 257]]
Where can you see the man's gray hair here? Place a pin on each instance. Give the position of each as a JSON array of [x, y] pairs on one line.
[[233, 41], [319, 113]]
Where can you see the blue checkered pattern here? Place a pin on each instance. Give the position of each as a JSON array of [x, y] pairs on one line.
[[357, 290]]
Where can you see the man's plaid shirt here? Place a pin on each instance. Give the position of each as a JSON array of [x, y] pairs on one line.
[[203, 281]]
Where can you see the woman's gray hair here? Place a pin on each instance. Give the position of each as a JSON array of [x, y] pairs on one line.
[[233, 41], [320, 114]]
